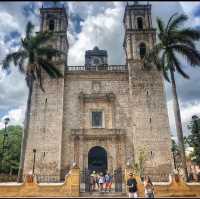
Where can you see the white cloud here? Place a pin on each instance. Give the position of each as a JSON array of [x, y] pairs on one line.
[[186, 115], [188, 7], [102, 26], [104, 30], [16, 117]]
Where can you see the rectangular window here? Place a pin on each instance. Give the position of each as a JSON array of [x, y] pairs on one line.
[[97, 119]]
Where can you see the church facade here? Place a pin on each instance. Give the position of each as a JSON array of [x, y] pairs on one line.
[[100, 116]]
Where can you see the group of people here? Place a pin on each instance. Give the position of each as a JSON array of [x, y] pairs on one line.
[[103, 182], [132, 187]]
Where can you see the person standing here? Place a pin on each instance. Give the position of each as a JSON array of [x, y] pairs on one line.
[[101, 182], [148, 188], [93, 180], [97, 180], [132, 186], [108, 182]]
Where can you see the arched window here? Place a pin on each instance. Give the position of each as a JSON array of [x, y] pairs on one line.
[[140, 23], [51, 25], [142, 49]]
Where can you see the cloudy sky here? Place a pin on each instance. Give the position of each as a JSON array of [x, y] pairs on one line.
[[90, 24]]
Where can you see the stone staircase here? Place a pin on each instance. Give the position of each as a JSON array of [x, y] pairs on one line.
[[97, 194]]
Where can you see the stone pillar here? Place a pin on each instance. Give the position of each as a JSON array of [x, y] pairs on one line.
[[74, 184], [81, 152], [76, 149]]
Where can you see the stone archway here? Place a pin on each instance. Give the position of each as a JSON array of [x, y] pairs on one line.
[[97, 159]]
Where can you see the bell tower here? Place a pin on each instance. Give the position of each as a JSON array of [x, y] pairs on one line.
[[139, 33], [45, 129], [55, 19], [147, 101]]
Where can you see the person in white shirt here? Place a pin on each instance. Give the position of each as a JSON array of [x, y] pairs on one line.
[[101, 181]]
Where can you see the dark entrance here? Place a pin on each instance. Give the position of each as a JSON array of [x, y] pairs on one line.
[[97, 159]]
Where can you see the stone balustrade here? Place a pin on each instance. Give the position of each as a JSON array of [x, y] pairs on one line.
[[114, 68]]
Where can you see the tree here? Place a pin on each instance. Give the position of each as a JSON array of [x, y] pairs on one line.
[[31, 59], [174, 41], [11, 156], [176, 156], [139, 166], [194, 138]]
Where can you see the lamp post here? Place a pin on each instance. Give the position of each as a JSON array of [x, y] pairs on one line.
[[5, 135], [34, 153]]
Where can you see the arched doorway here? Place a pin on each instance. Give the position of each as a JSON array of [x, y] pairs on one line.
[[97, 159]]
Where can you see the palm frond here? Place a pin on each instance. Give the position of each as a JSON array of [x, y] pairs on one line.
[[192, 55], [152, 57], [189, 33], [13, 57], [160, 25], [177, 22], [51, 70], [165, 74], [170, 19], [29, 30], [178, 66], [49, 51], [41, 38], [39, 77], [21, 63], [175, 38]]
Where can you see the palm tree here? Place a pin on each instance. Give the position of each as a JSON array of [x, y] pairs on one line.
[[174, 41], [31, 59]]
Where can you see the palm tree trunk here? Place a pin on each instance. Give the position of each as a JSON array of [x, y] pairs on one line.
[[179, 125], [25, 132]]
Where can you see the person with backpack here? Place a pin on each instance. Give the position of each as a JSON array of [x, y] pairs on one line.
[[132, 186]]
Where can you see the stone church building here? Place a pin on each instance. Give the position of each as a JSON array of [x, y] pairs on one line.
[[100, 116]]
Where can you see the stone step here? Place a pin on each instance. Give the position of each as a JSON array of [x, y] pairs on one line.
[[103, 194]]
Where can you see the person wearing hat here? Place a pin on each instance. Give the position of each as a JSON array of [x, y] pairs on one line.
[[132, 186]]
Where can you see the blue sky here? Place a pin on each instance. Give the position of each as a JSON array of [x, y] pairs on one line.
[[90, 24]]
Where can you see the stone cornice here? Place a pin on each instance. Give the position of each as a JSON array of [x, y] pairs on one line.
[[120, 76], [97, 97], [99, 133]]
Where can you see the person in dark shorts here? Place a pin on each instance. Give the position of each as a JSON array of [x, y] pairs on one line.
[[132, 186]]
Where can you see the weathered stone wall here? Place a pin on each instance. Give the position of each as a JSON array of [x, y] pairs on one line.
[[150, 119], [174, 187], [46, 126], [95, 86], [29, 188]]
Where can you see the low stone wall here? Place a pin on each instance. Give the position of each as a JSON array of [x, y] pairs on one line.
[[30, 188], [173, 188]]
